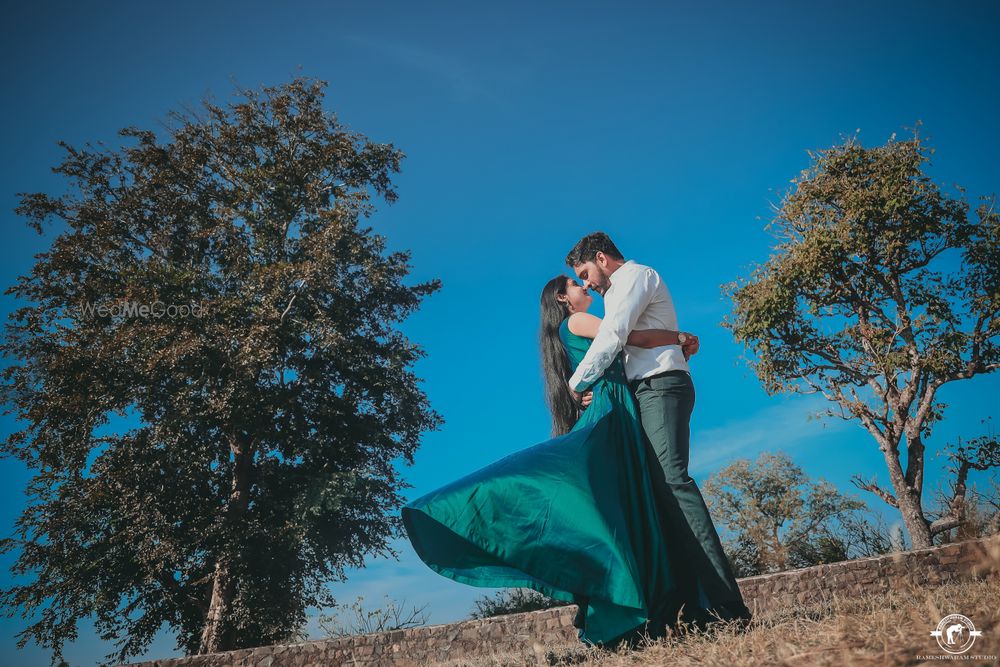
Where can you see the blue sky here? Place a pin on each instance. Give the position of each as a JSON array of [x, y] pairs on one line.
[[671, 126]]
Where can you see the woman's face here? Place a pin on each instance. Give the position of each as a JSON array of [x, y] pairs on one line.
[[577, 297]]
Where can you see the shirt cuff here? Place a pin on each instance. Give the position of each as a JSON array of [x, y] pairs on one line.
[[578, 386]]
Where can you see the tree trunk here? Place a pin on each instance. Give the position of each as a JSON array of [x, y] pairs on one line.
[[779, 551], [214, 636], [907, 500], [913, 518], [914, 460], [913, 515]]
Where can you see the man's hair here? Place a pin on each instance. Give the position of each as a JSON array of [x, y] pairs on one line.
[[586, 249]]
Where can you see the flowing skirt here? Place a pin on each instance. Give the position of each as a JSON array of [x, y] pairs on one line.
[[574, 518]]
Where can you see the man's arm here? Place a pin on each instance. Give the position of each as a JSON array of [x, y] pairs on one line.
[[626, 301], [586, 326]]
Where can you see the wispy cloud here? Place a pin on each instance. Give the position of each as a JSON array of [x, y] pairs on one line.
[[783, 426], [451, 72]]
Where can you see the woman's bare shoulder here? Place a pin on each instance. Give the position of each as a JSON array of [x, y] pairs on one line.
[[584, 324]]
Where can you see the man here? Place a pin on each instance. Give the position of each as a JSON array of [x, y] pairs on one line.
[[635, 297]]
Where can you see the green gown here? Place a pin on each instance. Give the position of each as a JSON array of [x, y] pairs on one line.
[[574, 518]]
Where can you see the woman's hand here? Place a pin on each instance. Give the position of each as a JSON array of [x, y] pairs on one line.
[[583, 400]]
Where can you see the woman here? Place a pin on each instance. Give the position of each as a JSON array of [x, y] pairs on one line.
[[573, 517]]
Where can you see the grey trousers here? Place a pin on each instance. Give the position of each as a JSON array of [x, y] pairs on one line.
[[703, 571]]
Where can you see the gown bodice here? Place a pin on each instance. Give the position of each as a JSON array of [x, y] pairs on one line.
[[610, 388]]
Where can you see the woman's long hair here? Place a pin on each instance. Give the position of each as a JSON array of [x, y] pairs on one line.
[[556, 368]]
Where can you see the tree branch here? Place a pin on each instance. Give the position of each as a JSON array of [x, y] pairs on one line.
[[288, 308], [981, 454], [873, 487]]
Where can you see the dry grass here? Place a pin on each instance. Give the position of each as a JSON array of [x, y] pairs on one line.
[[871, 630]]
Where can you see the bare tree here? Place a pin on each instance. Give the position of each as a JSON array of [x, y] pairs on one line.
[[354, 619]]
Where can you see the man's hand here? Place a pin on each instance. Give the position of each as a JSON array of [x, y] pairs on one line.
[[690, 346], [583, 400]]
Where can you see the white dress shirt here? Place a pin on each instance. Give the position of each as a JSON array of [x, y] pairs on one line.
[[637, 299]]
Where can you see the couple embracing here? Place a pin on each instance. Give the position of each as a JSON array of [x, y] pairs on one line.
[[604, 515]]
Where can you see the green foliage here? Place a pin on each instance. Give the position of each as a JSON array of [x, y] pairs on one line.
[[822, 549], [262, 463], [877, 272], [778, 517], [512, 601], [882, 288]]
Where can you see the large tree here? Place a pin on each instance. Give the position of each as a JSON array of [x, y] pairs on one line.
[[219, 291], [882, 289], [777, 516]]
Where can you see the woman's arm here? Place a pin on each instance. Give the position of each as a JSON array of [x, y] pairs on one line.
[[586, 325]]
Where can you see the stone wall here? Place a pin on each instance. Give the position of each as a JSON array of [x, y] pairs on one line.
[[538, 632]]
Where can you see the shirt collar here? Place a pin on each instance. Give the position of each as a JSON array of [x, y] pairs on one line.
[[629, 263]]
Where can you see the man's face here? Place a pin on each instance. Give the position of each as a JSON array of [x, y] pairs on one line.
[[593, 276]]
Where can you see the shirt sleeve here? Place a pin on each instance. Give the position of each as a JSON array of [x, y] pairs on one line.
[[624, 303]]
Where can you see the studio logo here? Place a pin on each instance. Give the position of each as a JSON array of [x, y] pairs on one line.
[[956, 633]]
